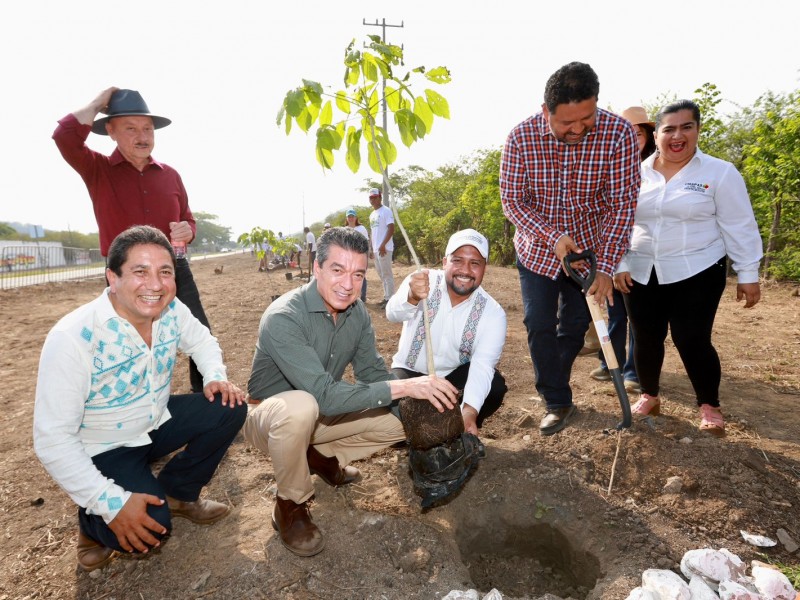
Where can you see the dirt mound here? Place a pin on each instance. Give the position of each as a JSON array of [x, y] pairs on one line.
[[539, 515]]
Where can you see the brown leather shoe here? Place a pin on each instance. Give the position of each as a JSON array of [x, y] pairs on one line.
[[297, 531], [200, 511], [92, 555], [556, 419], [328, 469]]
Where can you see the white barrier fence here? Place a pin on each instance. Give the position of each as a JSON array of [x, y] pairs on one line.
[[45, 262]]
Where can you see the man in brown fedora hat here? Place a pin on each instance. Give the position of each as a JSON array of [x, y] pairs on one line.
[[129, 187]]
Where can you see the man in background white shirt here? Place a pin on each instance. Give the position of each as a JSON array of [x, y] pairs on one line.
[[381, 224]]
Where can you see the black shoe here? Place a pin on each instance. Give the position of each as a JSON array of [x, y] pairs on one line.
[[556, 419]]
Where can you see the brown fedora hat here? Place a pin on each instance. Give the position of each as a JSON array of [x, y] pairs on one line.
[[127, 103], [637, 115]]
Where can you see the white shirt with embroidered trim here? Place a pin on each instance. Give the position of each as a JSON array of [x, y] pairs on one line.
[[446, 332], [101, 387], [685, 225]]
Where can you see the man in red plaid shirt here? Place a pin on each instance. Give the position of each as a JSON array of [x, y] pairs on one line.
[[569, 179]]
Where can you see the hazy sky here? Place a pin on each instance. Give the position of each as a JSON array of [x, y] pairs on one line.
[[220, 70]]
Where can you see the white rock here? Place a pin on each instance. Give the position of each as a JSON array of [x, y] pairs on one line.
[[640, 593], [685, 440], [772, 584], [787, 541], [493, 594], [757, 540], [674, 485], [737, 565], [465, 595], [700, 590], [730, 590], [665, 584], [707, 563]]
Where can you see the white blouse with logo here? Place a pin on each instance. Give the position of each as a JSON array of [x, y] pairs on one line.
[[685, 225]]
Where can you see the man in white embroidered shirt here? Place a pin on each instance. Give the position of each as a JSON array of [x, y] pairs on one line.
[[104, 411], [468, 327]]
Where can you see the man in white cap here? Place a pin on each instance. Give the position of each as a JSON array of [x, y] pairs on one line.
[[381, 224], [130, 187], [468, 327]]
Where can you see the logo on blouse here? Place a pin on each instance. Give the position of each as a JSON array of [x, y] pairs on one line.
[[695, 187]]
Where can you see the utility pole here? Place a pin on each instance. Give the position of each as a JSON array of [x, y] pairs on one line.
[[383, 25]]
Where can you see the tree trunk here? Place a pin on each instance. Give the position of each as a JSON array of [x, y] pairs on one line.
[[774, 230]]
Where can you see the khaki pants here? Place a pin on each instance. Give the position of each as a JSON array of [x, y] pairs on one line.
[[284, 425]]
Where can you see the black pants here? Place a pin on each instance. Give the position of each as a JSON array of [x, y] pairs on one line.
[[458, 378], [687, 308], [188, 293], [205, 428]]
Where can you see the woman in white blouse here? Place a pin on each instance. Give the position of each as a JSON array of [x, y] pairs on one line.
[[693, 210]]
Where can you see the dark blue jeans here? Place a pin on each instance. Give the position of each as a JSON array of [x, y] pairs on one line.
[[557, 318], [618, 330], [188, 293], [205, 428]]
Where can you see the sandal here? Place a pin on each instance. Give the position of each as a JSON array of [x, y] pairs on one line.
[[647, 405], [711, 420]]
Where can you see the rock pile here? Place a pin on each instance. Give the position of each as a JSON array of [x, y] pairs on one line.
[[713, 575]]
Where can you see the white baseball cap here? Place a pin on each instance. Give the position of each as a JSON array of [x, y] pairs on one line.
[[374, 192], [467, 237]]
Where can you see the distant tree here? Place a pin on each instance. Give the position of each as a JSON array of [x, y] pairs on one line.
[[481, 203], [73, 239], [7, 232], [712, 129], [430, 209], [771, 168], [214, 234]]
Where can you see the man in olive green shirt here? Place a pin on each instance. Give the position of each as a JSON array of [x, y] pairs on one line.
[[302, 413]]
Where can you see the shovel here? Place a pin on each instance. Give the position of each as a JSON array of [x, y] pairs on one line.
[[602, 329]]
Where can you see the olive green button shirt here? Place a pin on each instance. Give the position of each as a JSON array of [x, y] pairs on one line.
[[300, 347]]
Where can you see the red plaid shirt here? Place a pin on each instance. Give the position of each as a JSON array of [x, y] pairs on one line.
[[587, 191]]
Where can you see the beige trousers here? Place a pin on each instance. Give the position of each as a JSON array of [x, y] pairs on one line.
[[284, 425]]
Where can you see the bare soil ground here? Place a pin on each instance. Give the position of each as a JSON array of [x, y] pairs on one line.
[[536, 517]]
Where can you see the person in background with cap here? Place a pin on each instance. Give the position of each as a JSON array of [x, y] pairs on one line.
[[569, 179], [351, 220], [130, 187], [381, 224], [468, 327], [618, 327]]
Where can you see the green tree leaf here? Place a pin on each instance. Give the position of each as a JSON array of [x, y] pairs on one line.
[[438, 104], [326, 115], [424, 114]]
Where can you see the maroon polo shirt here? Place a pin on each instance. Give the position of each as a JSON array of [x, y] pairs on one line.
[[121, 195]]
